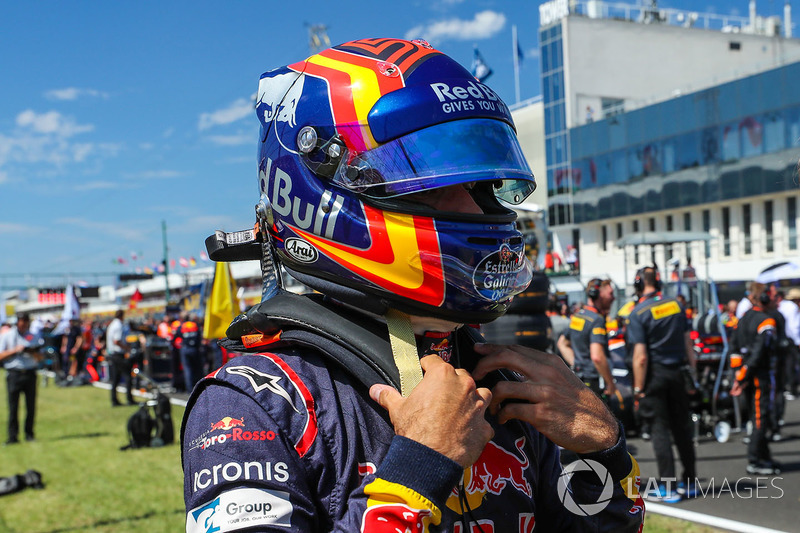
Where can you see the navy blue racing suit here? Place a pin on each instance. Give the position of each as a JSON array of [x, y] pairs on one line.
[[289, 440]]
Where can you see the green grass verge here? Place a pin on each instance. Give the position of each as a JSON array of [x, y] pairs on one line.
[[90, 484], [93, 486]]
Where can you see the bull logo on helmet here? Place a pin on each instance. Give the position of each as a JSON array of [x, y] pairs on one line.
[[278, 96]]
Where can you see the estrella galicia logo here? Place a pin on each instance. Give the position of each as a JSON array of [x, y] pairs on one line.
[[565, 493], [495, 277], [301, 250]]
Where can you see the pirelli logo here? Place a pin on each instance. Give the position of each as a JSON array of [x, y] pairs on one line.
[[577, 323], [664, 310]]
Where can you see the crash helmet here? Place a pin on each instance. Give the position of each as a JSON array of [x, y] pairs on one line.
[[350, 139]]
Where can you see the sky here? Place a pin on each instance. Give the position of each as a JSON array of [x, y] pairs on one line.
[[119, 118]]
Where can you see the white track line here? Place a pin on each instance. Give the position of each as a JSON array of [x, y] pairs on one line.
[[700, 518]]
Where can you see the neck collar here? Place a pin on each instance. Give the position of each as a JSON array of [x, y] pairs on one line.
[[651, 294]]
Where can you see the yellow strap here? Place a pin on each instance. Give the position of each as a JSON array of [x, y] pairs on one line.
[[404, 350]]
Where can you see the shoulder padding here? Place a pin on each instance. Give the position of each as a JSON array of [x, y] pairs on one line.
[[354, 341]]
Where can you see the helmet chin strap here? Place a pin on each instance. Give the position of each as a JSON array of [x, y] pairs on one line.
[[404, 350]]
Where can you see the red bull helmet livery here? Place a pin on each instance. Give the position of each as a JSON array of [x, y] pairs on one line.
[[285, 436], [351, 137]]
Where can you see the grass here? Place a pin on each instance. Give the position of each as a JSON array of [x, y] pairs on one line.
[[93, 486], [90, 484]]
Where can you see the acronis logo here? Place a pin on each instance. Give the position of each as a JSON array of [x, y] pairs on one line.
[[278, 97]]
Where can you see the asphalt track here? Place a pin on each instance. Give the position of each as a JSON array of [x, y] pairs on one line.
[[730, 499]]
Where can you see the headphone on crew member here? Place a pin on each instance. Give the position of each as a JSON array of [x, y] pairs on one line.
[[593, 288], [638, 281], [765, 297]]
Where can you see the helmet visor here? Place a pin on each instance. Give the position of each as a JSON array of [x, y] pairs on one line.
[[445, 154]]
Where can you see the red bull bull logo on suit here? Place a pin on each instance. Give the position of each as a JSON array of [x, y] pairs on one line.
[[494, 470]]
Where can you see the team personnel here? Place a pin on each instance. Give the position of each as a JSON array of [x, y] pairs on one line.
[[191, 345], [371, 406], [118, 355], [756, 339], [662, 349], [20, 359], [586, 341]]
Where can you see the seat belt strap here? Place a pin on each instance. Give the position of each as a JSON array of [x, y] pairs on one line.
[[404, 350]]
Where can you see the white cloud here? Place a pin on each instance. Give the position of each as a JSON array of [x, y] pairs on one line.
[[81, 151], [532, 53], [160, 174], [49, 141], [484, 25], [96, 186], [73, 93], [51, 122], [10, 227], [121, 231], [232, 140], [238, 110]]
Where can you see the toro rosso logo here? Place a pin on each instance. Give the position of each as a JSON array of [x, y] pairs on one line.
[[233, 432]]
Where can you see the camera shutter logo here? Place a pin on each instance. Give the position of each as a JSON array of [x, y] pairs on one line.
[[565, 494]]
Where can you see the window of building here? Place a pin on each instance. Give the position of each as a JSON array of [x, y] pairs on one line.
[[619, 230], [752, 134], [793, 126], [668, 156], [687, 221], [669, 248], [726, 231], [651, 223], [768, 214], [774, 132], [709, 146], [706, 220], [612, 106], [604, 238], [791, 222], [734, 45], [746, 223], [546, 57], [730, 142], [602, 169], [619, 167], [635, 248], [688, 150]]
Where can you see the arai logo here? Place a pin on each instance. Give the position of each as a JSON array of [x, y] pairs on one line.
[[301, 250]]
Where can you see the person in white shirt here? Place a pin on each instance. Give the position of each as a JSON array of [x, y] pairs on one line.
[[788, 307], [116, 351], [19, 357]]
